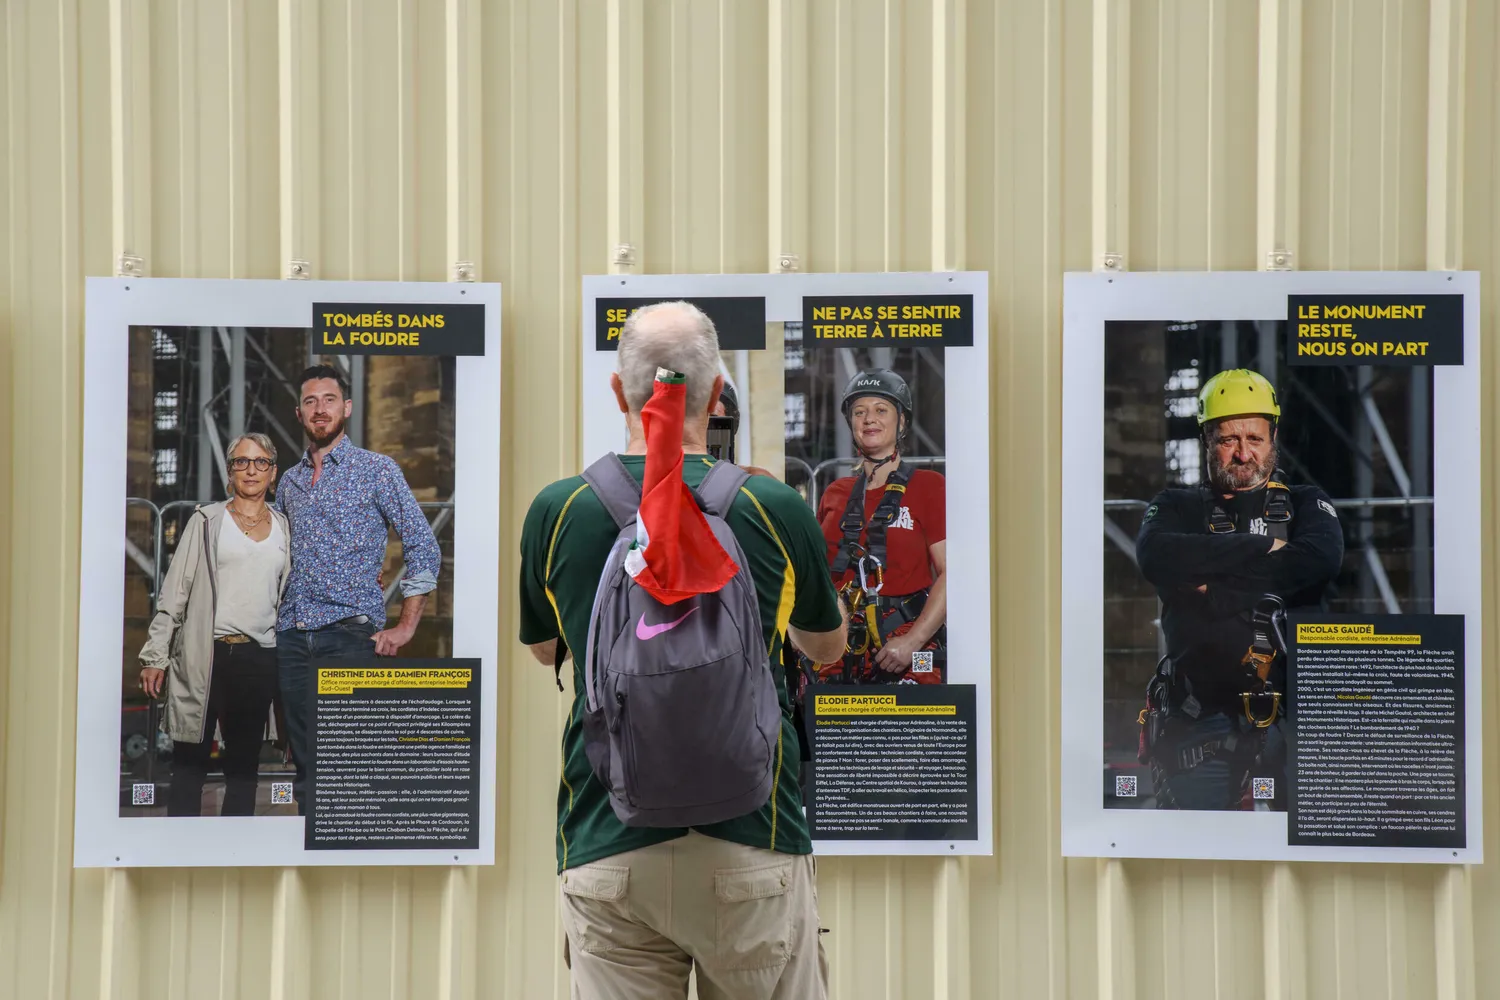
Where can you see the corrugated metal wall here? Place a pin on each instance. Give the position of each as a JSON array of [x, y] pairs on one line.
[[396, 138]]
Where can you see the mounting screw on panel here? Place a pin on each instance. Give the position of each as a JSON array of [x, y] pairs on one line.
[[130, 266], [298, 270], [624, 255], [1279, 260], [1113, 262], [463, 270], [789, 262]]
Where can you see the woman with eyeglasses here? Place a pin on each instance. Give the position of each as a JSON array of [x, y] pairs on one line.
[[212, 642]]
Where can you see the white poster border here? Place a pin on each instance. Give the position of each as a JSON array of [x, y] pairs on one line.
[[103, 838], [967, 430], [1089, 301]]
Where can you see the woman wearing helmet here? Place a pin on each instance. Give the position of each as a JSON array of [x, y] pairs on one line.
[[886, 529]]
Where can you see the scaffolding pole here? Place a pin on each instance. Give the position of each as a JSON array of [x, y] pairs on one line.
[[1266, 331], [1419, 426], [1364, 485], [1229, 345], [236, 383], [205, 485], [843, 440], [355, 427]]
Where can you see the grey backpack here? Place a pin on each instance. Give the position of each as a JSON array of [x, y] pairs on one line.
[[681, 718]]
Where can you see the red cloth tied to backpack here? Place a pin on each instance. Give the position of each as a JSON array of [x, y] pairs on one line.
[[676, 555]]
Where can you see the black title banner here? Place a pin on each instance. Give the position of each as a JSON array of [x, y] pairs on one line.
[[888, 320], [1395, 330], [739, 320], [385, 328]]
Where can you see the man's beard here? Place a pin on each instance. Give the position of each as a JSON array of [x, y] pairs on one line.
[[1233, 476], [330, 431]]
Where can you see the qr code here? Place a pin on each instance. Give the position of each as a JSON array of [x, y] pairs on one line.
[[143, 795], [921, 662], [1125, 786], [1263, 788], [281, 793]]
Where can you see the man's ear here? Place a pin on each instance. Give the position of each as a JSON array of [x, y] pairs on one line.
[[713, 396], [348, 408], [619, 388]]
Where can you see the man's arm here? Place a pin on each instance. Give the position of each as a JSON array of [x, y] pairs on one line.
[[1314, 553], [546, 652], [419, 549], [822, 647], [392, 638], [1173, 551], [540, 630], [819, 622]]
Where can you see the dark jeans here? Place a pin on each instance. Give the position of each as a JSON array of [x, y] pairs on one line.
[[241, 686], [295, 651]]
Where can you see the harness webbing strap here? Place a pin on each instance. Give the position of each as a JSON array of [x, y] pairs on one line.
[[886, 512], [1276, 511]]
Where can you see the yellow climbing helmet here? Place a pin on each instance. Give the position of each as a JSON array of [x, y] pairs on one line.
[[1237, 392]]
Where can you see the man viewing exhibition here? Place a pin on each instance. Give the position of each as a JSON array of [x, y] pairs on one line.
[[341, 502], [1227, 560], [642, 905]]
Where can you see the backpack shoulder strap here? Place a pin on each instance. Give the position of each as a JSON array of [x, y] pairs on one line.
[[720, 486], [616, 489]]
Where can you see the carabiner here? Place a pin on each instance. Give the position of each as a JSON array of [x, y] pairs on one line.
[[864, 583], [1265, 723]]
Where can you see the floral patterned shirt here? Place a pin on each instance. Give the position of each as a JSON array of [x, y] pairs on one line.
[[339, 531]]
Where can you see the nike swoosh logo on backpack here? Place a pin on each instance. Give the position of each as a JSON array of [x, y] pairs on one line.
[[644, 631]]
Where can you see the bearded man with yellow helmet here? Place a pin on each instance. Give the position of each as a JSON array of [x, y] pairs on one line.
[[1227, 560]]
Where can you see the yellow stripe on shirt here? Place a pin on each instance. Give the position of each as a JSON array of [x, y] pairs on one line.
[[552, 547], [552, 599], [788, 575]]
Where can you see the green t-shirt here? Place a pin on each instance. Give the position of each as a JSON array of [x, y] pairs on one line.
[[567, 537]]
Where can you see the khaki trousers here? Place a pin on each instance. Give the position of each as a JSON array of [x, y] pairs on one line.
[[637, 923]]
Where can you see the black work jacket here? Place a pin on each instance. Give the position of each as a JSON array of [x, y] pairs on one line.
[[1208, 631]]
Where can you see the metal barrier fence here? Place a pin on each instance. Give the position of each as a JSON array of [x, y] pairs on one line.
[[151, 565]]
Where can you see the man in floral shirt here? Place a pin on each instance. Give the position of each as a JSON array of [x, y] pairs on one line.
[[341, 501]]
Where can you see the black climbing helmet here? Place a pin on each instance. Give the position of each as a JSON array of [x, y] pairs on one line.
[[880, 382]]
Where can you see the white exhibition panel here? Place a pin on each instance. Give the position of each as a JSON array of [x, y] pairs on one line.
[[1089, 302], [967, 430], [102, 838]]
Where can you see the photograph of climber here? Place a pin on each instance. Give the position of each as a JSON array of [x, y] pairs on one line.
[[865, 444], [1239, 488]]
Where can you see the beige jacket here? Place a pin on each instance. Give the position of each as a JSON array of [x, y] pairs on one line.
[[181, 638]]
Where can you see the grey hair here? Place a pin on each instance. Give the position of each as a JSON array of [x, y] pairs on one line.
[[674, 335], [255, 437]]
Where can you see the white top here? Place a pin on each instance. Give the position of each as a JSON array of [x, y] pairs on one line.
[[249, 582]]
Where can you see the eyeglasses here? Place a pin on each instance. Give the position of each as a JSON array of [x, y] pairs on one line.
[[241, 464]]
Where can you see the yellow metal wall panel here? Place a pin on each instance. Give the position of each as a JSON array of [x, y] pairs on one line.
[[532, 138]]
